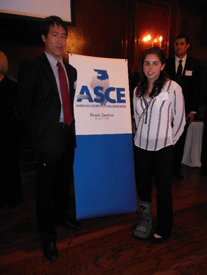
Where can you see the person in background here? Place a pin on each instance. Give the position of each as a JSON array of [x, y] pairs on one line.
[[46, 94], [186, 71], [10, 187], [159, 111]]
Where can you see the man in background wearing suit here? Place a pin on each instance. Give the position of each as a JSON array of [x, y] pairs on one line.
[[186, 71], [46, 94]]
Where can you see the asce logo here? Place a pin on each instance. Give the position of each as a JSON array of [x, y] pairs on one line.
[[102, 92]]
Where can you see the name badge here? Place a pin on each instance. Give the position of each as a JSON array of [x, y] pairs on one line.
[[188, 73], [162, 96]]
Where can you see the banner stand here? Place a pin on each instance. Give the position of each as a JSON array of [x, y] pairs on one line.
[[104, 177]]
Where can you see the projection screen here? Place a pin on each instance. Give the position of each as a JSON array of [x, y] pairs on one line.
[[38, 8]]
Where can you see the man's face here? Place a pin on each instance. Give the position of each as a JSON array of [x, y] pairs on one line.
[[181, 47], [55, 42]]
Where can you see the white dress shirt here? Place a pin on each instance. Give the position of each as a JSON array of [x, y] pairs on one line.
[[177, 59], [53, 64]]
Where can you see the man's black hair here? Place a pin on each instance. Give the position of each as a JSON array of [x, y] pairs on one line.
[[183, 36], [51, 21]]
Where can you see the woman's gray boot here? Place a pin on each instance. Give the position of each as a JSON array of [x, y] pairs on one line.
[[144, 226]]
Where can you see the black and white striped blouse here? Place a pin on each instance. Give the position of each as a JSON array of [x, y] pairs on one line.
[[161, 120]]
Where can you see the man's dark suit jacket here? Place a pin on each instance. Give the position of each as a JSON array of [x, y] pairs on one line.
[[39, 106], [190, 81]]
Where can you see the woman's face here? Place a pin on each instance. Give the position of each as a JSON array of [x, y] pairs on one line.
[[152, 67]]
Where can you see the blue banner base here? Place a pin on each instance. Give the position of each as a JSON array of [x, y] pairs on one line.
[[104, 176]]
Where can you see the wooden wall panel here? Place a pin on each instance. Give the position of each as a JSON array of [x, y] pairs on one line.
[[152, 18], [98, 29]]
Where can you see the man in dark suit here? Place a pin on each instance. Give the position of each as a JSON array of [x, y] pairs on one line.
[[46, 94], [186, 71]]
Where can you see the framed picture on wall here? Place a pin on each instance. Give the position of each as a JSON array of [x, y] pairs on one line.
[[36, 9]]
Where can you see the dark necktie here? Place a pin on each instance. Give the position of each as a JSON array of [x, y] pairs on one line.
[[68, 117], [179, 71]]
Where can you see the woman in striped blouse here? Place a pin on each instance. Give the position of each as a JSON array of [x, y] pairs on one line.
[[160, 119]]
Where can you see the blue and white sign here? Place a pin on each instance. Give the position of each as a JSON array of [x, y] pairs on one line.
[[104, 166]]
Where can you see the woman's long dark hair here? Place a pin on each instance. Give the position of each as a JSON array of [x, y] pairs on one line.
[[160, 82]]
